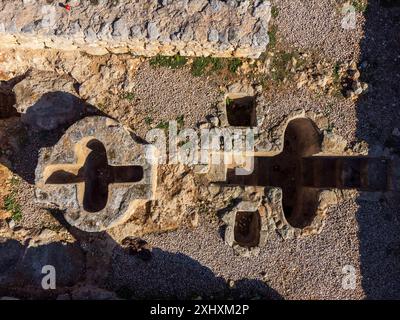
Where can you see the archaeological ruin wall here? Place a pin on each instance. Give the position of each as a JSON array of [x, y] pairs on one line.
[[197, 27]]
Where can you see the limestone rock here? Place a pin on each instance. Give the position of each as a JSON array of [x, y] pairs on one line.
[[333, 143], [213, 35], [47, 101]]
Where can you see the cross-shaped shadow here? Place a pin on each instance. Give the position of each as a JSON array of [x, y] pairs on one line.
[[301, 173]]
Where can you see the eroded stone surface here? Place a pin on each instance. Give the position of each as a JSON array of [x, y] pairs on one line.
[[65, 158], [177, 203], [198, 27], [47, 100]]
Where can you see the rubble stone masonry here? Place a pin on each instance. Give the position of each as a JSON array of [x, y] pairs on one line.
[[167, 27]]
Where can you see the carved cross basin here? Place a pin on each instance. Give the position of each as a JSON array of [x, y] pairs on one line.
[[97, 173]]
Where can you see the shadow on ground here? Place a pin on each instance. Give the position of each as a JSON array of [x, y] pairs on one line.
[[378, 113], [94, 260], [46, 112]]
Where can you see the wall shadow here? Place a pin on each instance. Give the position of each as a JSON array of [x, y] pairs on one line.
[[24, 153], [96, 260], [378, 113]]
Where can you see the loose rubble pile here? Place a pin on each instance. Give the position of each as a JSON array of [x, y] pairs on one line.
[[344, 78]]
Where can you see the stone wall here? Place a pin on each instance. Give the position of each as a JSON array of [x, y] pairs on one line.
[[188, 27]]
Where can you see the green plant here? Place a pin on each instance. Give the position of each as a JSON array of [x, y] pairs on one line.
[[200, 65], [130, 96], [163, 125], [336, 75], [274, 12], [180, 120], [272, 36], [12, 205], [10, 201], [360, 5], [216, 64], [280, 65], [14, 182], [234, 64], [172, 62], [206, 65], [148, 120], [330, 128]]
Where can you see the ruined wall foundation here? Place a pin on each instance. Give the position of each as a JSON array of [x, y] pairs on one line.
[[197, 27]]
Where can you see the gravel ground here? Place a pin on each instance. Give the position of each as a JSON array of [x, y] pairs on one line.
[[316, 26], [309, 268], [341, 113], [163, 94]]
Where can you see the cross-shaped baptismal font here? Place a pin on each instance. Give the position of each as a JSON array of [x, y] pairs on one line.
[[301, 173], [92, 174], [97, 174]]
